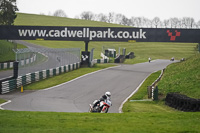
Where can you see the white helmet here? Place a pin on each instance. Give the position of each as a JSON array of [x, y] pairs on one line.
[[108, 94]]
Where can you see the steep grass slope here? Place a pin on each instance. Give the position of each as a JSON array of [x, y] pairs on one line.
[[43, 20], [183, 77]]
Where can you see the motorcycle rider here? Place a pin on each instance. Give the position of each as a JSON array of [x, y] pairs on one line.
[[107, 96]]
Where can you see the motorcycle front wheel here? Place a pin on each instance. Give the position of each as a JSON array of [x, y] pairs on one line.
[[105, 110]]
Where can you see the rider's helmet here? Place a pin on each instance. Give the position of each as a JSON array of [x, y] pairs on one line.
[[108, 94]]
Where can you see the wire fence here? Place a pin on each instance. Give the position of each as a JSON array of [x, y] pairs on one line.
[[34, 59]]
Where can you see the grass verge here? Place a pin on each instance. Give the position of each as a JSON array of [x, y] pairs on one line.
[[51, 122], [2, 101], [146, 106]]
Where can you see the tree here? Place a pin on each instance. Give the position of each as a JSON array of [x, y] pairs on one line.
[[175, 22], [59, 13], [198, 24], [111, 17], [87, 15], [118, 18], [125, 21], [7, 12], [188, 22], [138, 21], [156, 21], [101, 17], [166, 23]]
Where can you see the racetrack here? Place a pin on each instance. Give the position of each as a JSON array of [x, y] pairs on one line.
[[50, 62], [76, 95]]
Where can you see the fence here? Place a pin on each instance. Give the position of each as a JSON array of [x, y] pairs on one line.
[[37, 64], [10, 85], [33, 59], [30, 59]]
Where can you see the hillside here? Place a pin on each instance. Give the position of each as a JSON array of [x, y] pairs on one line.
[[43, 20], [183, 77], [6, 50]]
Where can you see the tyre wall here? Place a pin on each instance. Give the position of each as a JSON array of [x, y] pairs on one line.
[[182, 102]]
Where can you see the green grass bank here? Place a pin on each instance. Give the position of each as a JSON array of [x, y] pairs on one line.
[[6, 50]]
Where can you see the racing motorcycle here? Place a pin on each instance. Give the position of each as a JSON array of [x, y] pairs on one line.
[[102, 107]]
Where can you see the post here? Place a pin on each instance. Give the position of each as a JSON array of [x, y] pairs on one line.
[[22, 89], [86, 46], [15, 69], [155, 94], [85, 56], [199, 47]]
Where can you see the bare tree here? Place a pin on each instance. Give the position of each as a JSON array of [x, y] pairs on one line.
[[101, 17], [174, 22], [133, 21], [198, 24], [145, 22], [118, 18], [156, 21], [59, 13], [149, 23], [87, 15], [138, 21], [188, 22], [166, 23], [111, 17], [125, 21]]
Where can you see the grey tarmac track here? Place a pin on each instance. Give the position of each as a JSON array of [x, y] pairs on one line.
[[76, 95], [51, 62]]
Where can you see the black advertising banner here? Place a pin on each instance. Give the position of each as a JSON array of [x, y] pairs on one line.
[[99, 34]]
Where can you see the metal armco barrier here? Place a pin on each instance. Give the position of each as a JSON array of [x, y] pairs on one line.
[[130, 55], [10, 85], [6, 65], [182, 102], [120, 59]]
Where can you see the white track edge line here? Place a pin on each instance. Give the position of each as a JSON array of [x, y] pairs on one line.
[[9, 101], [121, 106]]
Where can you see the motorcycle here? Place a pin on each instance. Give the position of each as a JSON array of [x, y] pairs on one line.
[[102, 107]]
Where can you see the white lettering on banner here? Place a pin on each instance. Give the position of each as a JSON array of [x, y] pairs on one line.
[[64, 33], [142, 34], [110, 33], [99, 34], [84, 33]]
